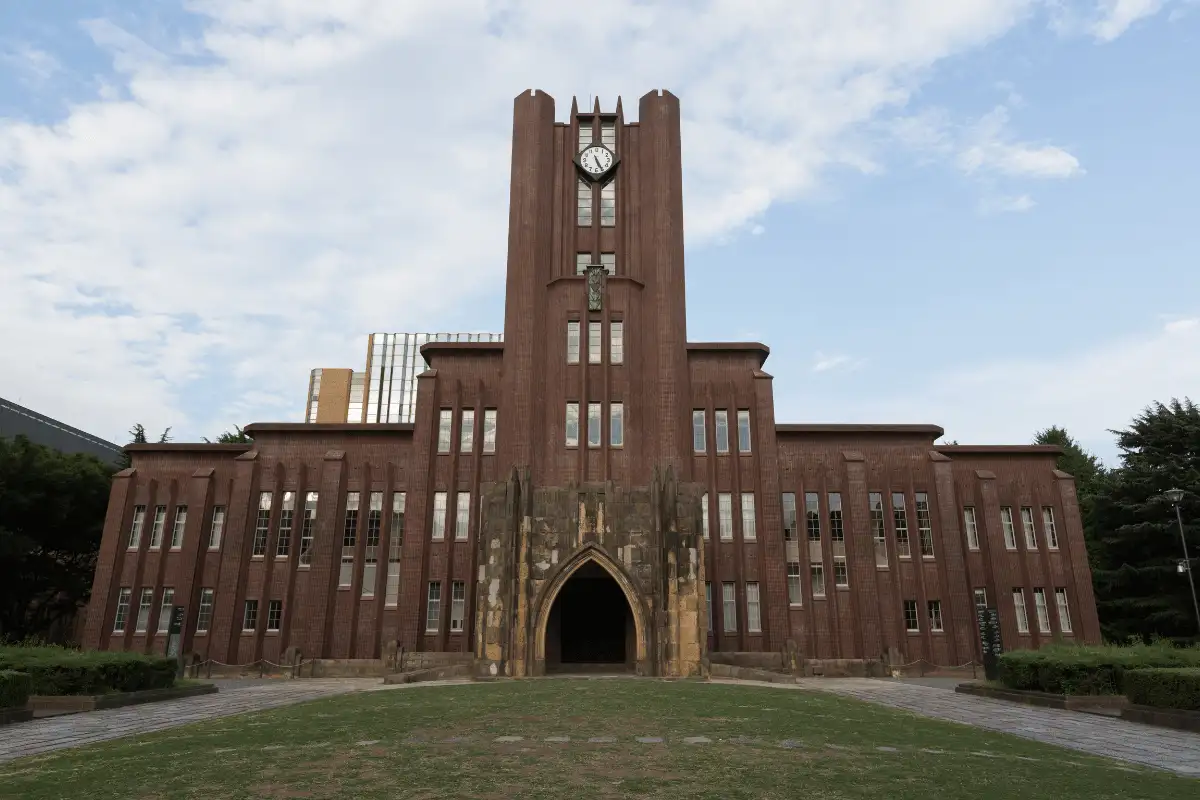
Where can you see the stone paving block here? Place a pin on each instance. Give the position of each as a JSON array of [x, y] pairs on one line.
[[697, 740], [650, 739], [506, 739], [558, 739], [601, 740]]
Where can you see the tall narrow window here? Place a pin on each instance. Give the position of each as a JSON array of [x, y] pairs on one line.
[[708, 604], [143, 617], [371, 545], [489, 430], [217, 528], [584, 192], [616, 424], [1006, 524], [878, 530], [1064, 610], [250, 615], [274, 615], [841, 574], [262, 525], [753, 609], [608, 204], [1027, 525], [287, 511], [616, 342], [122, 609], [743, 418], [725, 515], [924, 525], [165, 606], [1043, 611], [458, 605], [135, 530], [177, 528], [812, 516], [698, 444], [307, 529], [445, 421], [722, 431], [1048, 527], [900, 520], [729, 602], [462, 515], [608, 134], [595, 343], [980, 599], [935, 615], [1019, 608], [816, 575], [972, 527], [795, 595], [205, 611], [704, 515], [912, 623], [439, 515], [749, 530], [837, 533], [788, 502], [572, 429], [156, 528], [593, 423], [349, 539], [609, 262], [573, 342], [395, 542], [433, 607], [466, 434]]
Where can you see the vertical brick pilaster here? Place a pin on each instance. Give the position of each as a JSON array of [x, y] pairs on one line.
[[773, 568], [316, 607], [1075, 549], [419, 515], [860, 553], [958, 614], [226, 628], [198, 495], [117, 519]]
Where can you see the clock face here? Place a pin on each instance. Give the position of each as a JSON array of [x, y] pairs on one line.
[[596, 160]]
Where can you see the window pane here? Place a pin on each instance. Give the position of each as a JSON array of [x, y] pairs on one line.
[[262, 525], [462, 516], [467, 431], [795, 597], [572, 429], [725, 514], [1048, 527], [1027, 525], [817, 579], [122, 610], [878, 530], [585, 203], [595, 344], [166, 605], [593, 424], [143, 617], [812, 516], [609, 262], [1019, 609], [616, 342], [749, 532], [1064, 610], [790, 526], [458, 605], [177, 530], [972, 527], [743, 431], [1043, 612], [698, 444], [274, 615], [911, 622], [924, 525], [608, 204], [439, 515], [573, 342], [204, 614], [722, 431], [135, 530], [841, 575], [900, 520], [1006, 524], [218, 526], [935, 615], [250, 615], [616, 424], [729, 601], [445, 419], [489, 430], [836, 532], [307, 526], [433, 609], [753, 612], [156, 531], [704, 515]]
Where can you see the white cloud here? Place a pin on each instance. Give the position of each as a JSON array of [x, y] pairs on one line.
[[1115, 16], [32, 64], [988, 147], [829, 363], [1006, 204]]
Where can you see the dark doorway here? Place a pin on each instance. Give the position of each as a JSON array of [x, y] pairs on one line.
[[590, 628]]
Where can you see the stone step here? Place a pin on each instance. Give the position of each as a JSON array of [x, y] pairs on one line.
[[431, 674]]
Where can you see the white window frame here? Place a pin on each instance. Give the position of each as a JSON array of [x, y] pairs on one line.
[[145, 607], [204, 610], [980, 594], [121, 617], [837, 521], [725, 516], [438, 532], [135, 528], [458, 606], [462, 516], [616, 341], [704, 515], [912, 621], [749, 528], [842, 580], [1028, 528], [595, 425], [699, 442], [250, 616], [274, 615], [708, 604], [573, 341], [466, 430], [934, 608], [745, 445], [489, 430], [216, 528], [1050, 529], [616, 424], [433, 607], [308, 524], [753, 608], [165, 605], [156, 527], [571, 428], [178, 526], [262, 526], [816, 579], [1064, 610], [1022, 613], [924, 524], [729, 607], [1008, 527], [971, 527], [900, 524], [722, 427], [287, 519], [795, 587], [1042, 609], [595, 343], [445, 430]]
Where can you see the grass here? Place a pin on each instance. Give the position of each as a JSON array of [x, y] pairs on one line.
[[393, 744]]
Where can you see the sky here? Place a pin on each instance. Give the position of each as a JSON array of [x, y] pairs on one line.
[[979, 214]]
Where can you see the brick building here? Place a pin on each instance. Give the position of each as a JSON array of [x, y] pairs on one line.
[[593, 489]]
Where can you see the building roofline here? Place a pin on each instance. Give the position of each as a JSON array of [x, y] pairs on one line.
[[42, 418], [928, 430], [998, 449], [732, 347], [187, 447], [328, 427]]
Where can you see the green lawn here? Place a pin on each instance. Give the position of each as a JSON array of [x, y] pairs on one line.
[[394, 744]]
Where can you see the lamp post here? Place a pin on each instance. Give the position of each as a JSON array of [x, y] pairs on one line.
[[1175, 496]]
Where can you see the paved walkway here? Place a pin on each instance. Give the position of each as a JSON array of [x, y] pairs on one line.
[[235, 697], [1164, 748]]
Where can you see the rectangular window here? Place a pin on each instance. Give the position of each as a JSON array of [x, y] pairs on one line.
[[753, 609], [371, 545], [608, 134], [135, 530], [841, 574], [205, 612], [439, 515], [586, 136], [287, 511], [1006, 524], [489, 430], [573, 342], [395, 541], [217, 528], [725, 515], [1064, 610], [708, 604], [980, 599], [789, 516], [609, 262], [177, 528], [595, 344], [466, 432], [572, 430], [156, 529], [1027, 526], [616, 424], [462, 516], [584, 200], [616, 342], [143, 617], [749, 531], [1048, 527], [274, 615], [704, 515], [878, 529], [165, 606], [912, 623], [900, 520], [250, 615], [349, 539], [593, 423], [307, 528], [582, 262], [433, 607], [971, 525], [836, 532], [122, 610], [816, 576], [445, 421], [458, 605], [729, 603], [795, 596], [924, 525], [1019, 608], [698, 444], [722, 431], [262, 524], [812, 516], [935, 615], [743, 419], [1043, 611], [608, 204]]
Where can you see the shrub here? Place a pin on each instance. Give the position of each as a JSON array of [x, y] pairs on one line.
[[1164, 688], [59, 670], [14, 688], [1082, 670]]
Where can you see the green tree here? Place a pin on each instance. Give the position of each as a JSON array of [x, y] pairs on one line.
[[237, 436], [52, 508], [1088, 472]]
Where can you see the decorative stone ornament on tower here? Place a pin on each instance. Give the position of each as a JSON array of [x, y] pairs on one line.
[[595, 287]]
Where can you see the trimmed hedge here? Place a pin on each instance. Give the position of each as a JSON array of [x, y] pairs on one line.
[[1076, 670], [58, 670], [14, 688], [1164, 688]]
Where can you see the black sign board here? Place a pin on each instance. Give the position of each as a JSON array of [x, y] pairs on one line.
[[174, 632], [989, 641]]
